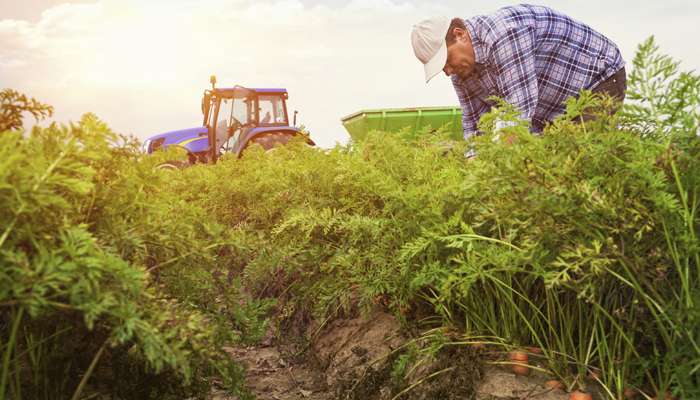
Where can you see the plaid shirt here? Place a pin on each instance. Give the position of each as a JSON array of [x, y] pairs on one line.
[[534, 58]]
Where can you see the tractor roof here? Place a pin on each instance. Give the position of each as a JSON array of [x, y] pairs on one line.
[[268, 90], [242, 91]]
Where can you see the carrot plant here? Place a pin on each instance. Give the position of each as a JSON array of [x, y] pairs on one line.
[[81, 225]]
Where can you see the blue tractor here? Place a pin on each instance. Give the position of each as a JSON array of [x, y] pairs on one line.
[[234, 119]]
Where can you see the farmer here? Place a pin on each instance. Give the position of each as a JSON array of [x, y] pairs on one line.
[[532, 57]]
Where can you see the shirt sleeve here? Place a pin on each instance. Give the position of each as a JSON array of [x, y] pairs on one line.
[[513, 56], [472, 107]]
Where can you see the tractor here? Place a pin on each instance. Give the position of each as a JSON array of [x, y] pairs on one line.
[[234, 119]]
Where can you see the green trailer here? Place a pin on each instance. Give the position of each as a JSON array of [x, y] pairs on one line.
[[416, 119]]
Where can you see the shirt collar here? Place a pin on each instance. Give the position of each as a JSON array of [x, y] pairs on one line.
[[477, 44]]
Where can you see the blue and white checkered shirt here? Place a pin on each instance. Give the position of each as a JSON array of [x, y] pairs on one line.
[[534, 58]]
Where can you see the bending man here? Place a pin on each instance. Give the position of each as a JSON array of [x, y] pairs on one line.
[[533, 57]]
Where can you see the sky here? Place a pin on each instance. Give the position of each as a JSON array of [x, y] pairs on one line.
[[142, 66]]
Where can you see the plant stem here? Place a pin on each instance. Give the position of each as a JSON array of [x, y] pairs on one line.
[[91, 368], [16, 319]]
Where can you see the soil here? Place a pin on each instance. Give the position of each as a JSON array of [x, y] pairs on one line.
[[353, 358], [269, 376]]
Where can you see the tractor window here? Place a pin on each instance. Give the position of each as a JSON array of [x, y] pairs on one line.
[[210, 117], [222, 123], [237, 109], [242, 110], [233, 114], [272, 110]]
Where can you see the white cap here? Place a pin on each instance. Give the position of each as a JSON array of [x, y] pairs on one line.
[[428, 40]]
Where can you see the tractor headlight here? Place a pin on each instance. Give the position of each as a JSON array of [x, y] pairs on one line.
[[157, 144], [151, 145]]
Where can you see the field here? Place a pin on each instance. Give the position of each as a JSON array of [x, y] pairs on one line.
[[580, 247]]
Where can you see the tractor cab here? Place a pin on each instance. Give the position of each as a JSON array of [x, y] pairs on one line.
[[234, 114]]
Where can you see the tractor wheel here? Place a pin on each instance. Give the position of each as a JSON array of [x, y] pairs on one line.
[[268, 141], [173, 165]]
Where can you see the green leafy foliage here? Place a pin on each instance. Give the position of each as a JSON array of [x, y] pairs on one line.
[[79, 233], [582, 241], [664, 100], [14, 104]]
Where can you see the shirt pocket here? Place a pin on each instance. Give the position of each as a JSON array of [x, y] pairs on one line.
[[591, 66]]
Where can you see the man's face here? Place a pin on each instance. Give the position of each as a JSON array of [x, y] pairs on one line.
[[460, 55]]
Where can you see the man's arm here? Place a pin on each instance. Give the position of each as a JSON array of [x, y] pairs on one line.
[[472, 107], [514, 58]]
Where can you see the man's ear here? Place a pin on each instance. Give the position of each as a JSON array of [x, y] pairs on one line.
[[459, 33]]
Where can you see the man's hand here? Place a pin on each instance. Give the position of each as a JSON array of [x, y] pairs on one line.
[[509, 138], [505, 135]]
